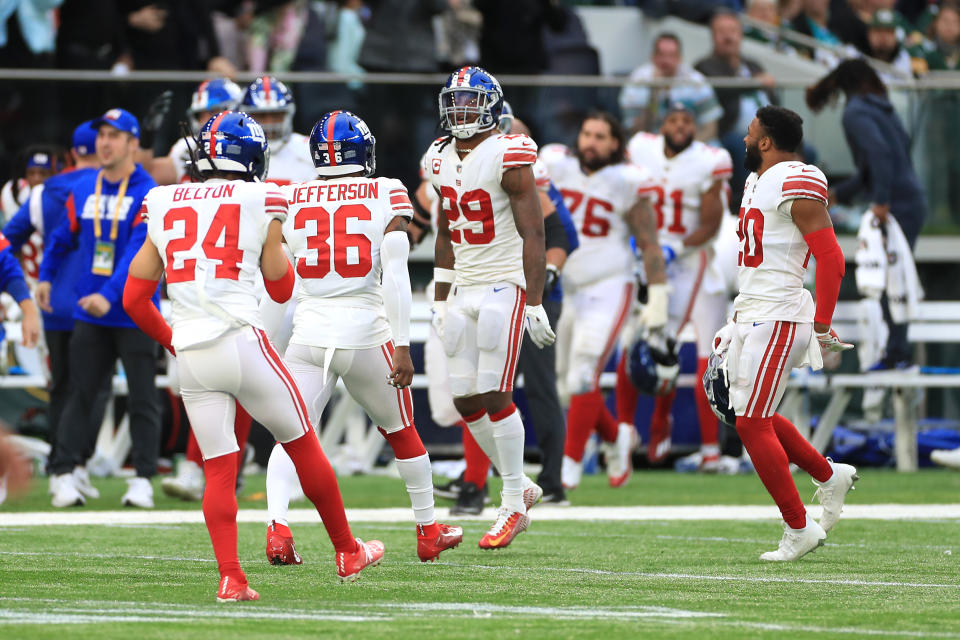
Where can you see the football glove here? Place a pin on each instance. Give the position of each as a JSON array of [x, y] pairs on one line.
[[538, 326], [830, 341], [153, 119], [654, 313], [721, 340]]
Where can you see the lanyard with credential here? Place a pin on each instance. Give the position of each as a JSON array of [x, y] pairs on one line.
[[115, 224]]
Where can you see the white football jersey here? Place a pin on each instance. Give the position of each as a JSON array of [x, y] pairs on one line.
[[773, 255], [598, 204], [210, 236], [679, 182], [291, 163], [334, 229], [486, 245]]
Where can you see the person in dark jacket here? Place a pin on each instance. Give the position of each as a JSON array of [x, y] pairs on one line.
[[881, 152]]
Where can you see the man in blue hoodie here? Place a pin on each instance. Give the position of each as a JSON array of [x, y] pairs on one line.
[[103, 222], [43, 212]]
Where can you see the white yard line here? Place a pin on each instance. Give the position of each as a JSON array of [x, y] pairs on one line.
[[707, 577], [540, 513], [60, 611]]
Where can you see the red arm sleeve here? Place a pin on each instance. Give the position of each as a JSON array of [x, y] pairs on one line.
[[281, 290], [830, 268], [136, 302]]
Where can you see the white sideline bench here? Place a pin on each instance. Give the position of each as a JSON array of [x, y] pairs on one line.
[[939, 322]]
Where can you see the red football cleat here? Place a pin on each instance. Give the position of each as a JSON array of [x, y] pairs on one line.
[[430, 546], [505, 529], [368, 554], [280, 546], [232, 590]]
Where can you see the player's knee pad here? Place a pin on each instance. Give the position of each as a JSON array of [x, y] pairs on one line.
[[454, 327], [587, 348]]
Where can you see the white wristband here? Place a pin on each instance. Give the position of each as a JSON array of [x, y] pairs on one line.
[[444, 275]]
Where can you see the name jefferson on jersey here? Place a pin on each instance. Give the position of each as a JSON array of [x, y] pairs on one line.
[[773, 254], [335, 229], [679, 182], [486, 245], [210, 236], [598, 203]]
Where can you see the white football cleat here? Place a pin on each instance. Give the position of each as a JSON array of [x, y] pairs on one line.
[[187, 484], [66, 493], [833, 492], [82, 481], [797, 543], [570, 472], [139, 493], [946, 457]]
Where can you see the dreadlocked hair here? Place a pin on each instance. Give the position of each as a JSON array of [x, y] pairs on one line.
[[853, 77]]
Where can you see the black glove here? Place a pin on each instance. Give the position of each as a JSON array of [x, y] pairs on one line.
[[551, 280], [153, 120]]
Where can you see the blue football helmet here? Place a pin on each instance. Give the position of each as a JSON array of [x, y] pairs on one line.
[[233, 141], [213, 96], [505, 124], [470, 102], [653, 365], [341, 143], [266, 94], [717, 387]]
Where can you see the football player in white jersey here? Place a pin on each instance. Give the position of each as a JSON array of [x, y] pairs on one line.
[[271, 103], [345, 230], [489, 277], [208, 99], [776, 325], [689, 201], [609, 200], [210, 241]]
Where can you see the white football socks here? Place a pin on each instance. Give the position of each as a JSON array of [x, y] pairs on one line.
[[508, 436], [418, 477], [482, 432], [282, 482]]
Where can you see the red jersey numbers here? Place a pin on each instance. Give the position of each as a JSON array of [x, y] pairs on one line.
[[476, 207], [676, 197], [750, 231], [352, 252], [596, 219], [220, 243]]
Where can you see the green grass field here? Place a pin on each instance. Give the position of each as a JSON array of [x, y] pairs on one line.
[[563, 578]]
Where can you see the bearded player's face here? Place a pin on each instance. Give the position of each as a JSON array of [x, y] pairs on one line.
[[753, 158], [596, 144], [678, 130]]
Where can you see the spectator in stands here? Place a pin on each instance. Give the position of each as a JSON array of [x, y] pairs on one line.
[[881, 153], [103, 221], [512, 37], [885, 44], [273, 36], [343, 49], [458, 36], [644, 107], [174, 34], [849, 19], [943, 53], [814, 22], [739, 104]]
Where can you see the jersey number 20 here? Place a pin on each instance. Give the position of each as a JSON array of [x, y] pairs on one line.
[[750, 231]]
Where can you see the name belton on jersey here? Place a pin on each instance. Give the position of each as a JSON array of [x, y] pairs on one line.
[[773, 254], [212, 284], [341, 306], [486, 244], [679, 182], [598, 204]]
